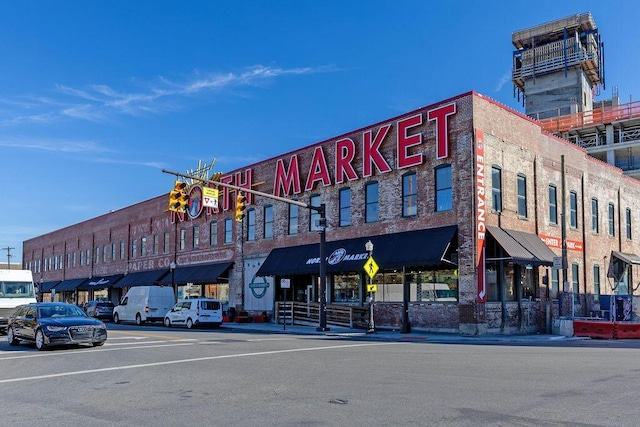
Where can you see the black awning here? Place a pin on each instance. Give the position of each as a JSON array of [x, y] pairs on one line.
[[197, 274], [46, 286], [69, 285], [625, 257], [421, 248], [101, 282], [523, 248], [141, 278]]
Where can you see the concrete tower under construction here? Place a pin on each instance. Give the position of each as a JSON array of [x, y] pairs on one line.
[[558, 67]]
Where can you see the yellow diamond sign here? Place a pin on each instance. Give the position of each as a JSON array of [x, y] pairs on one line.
[[371, 267]]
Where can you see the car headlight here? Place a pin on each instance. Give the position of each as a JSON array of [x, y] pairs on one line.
[[55, 328], [102, 326]]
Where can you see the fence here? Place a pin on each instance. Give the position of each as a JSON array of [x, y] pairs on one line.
[[299, 313]]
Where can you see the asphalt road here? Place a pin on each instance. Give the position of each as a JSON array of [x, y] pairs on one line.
[[154, 376]]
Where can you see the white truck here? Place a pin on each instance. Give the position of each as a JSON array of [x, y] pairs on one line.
[[16, 288]]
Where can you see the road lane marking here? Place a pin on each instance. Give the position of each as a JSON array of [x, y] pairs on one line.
[[197, 359]]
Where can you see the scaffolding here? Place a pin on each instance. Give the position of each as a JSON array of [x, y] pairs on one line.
[[571, 42]]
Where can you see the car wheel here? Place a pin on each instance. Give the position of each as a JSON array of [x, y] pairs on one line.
[[116, 318], [98, 343], [40, 345], [139, 319], [167, 322], [11, 338], [189, 323]]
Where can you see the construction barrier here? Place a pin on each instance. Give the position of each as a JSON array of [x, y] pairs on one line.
[[627, 331], [606, 330], [594, 329]]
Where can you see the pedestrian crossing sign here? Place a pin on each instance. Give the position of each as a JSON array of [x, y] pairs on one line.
[[371, 267]]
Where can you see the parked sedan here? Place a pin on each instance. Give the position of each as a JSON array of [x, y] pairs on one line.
[[100, 309], [54, 323]]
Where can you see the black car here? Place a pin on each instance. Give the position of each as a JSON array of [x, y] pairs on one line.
[[54, 323], [100, 309]]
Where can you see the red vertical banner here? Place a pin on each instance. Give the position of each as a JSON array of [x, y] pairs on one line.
[[480, 216]]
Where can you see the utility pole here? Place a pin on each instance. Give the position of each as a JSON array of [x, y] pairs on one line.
[[8, 249], [323, 225]]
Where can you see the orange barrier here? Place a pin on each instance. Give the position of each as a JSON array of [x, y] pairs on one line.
[[594, 329], [627, 331]]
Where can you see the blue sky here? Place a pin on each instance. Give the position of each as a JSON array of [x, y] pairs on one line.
[[97, 97]]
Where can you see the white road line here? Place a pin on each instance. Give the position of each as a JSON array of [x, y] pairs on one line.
[[197, 359], [116, 347]]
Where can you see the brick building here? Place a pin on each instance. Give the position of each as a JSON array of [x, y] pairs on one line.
[[467, 203]]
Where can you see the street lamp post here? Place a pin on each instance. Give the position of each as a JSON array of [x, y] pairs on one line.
[[322, 327], [172, 267], [372, 326]]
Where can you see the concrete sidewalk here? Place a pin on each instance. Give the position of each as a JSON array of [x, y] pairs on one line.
[[393, 335]]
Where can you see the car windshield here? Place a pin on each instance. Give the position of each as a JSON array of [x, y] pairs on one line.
[[60, 310]]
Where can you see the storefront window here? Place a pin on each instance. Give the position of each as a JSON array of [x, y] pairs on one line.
[[346, 288], [435, 286]]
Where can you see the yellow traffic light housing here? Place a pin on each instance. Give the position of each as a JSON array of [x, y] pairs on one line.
[[178, 197], [240, 206]]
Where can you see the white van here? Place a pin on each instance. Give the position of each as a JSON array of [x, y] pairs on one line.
[[144, 304], [195, 312], [16, 288]]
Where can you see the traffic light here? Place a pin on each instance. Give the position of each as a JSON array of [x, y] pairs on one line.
[[178, 197], [240, 206]]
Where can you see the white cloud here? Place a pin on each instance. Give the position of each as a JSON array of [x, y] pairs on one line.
[[57, 145], [506, 78]]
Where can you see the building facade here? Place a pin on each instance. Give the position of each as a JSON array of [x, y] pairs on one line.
[[481, 222]]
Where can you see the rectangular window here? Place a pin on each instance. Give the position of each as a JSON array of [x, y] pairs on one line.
[[268, 222], [314, 216], [371, 200], [228, 230], [595, 220], [251, 225], [575, 281], [156, 244], [183, 239], [213, 233], [573, 209], [105, 252], [122, 254], [553, 204], [293, 219], [628, 216], [555, 283], [444, 189], [409, 195], [612, 221], [143, 246], [134, 248], [166, 242], [87, 258], [345, 207], [196, 236], [522, 196], [596, 281], [74, 260], [113, 252], [97, 255], [496, 188]]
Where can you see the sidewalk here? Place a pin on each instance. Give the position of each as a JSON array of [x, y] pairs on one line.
[[394, 335]]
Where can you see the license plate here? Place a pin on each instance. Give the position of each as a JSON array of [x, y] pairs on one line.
[[82, 329]]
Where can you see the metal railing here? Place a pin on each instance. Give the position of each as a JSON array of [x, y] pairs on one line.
[[584, 119], [299, 313]]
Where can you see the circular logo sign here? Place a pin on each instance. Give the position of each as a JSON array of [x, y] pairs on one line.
[[259, 289], [337, 256], [195, 206]]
